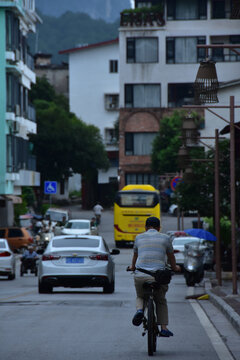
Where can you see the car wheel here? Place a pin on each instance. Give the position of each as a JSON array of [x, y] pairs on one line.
[[11, 276], [109, 288], [44, 288]]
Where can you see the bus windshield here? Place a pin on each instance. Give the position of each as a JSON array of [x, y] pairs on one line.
[[137, 199]]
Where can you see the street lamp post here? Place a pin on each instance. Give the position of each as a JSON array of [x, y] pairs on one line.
[[232, 108]]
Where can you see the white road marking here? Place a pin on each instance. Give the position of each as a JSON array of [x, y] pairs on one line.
[[218, 344]]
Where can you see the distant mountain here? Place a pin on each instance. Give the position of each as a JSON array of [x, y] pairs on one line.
[[68, 31], [108, 10]]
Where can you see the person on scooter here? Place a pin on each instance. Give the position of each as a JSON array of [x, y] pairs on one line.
[[149, 253], [29, 259]]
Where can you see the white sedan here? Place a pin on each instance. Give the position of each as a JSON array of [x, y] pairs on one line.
[[7, 260], [79, 227], [77, 261]]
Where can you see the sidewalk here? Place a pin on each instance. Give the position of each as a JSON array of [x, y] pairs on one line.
[[223, 298]]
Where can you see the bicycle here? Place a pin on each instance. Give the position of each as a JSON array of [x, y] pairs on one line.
[[149, 320]]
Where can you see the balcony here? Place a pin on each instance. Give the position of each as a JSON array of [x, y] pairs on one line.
[[143, 17]]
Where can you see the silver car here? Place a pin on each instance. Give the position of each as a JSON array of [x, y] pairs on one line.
[[7, 260], [77, 261]]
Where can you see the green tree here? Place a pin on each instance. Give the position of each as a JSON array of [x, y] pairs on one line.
[[166, 144], [197, 191], [63, 144]]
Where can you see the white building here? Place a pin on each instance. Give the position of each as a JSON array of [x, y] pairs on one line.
[[158, 64], [94, 93]]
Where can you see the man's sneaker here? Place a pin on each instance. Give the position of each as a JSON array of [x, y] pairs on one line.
[[138, 318]]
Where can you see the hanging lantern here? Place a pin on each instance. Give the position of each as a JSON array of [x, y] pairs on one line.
[[206, 83], [189, 131], [236, 9], [183, 157]]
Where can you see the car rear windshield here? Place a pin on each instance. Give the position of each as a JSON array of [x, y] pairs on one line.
[[76, 243], [178, 241], [12, 233], [2, 245], [78, 225]]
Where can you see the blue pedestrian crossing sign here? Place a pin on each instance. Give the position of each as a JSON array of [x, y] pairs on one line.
[[50, 187]]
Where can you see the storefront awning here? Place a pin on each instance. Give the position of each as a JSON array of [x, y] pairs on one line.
[[15, 199]]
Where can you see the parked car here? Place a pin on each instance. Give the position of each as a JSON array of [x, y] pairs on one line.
[[175, 233], [178, 247], [18, 237], [57, 215], [79, 227], [173, 210], [7, 260], [77, 261]]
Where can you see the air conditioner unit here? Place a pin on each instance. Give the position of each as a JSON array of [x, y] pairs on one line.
[[17, 55], [15, 127], [17, 110]]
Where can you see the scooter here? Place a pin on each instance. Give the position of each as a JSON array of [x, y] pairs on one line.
[[193, 266]]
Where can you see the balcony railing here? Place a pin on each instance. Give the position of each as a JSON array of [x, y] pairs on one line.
[[142, 18]]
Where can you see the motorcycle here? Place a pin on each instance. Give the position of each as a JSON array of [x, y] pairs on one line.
[[193, 266]]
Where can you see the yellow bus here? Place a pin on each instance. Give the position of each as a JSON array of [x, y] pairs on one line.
[[132, 206]]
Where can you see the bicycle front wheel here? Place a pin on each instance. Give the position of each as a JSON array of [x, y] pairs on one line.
[[152, 336]]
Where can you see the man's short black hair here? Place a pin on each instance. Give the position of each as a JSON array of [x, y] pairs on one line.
[[153, 221]]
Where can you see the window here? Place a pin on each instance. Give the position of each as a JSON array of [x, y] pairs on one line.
[[19, 154], [110, 136], [218, 9], [12, 233], [111, 101], [138, 143], [180, 94], [141, 178], [183, 50], [12, 32], [186, 10], [142, 96], [142, 50], [224, 54], [113, 66]]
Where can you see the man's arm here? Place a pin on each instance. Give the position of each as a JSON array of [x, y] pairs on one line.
[[134, 259], [172, 261]]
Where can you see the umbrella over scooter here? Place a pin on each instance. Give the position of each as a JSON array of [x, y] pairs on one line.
[[201, 233]]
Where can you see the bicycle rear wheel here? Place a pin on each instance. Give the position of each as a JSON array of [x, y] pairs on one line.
[[152, 336]]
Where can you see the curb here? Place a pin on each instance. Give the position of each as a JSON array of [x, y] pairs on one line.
[[227, 310]]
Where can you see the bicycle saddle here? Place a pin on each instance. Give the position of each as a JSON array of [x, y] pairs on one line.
[[150, 284]]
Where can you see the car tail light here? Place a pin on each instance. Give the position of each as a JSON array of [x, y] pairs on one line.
[[103, 257], [176, 251], [50, 257], [5, 253]]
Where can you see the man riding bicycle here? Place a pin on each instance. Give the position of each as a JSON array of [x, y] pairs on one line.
[[149, 253]]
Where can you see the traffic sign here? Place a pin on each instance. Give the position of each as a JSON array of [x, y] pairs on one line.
[[50, 187], [175, 181]]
